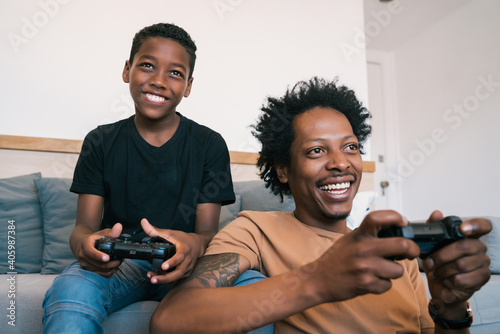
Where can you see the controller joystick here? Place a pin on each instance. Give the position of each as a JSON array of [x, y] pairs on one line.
[[125, 237]]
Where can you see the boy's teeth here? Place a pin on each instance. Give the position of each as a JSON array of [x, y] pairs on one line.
[[155, 98]]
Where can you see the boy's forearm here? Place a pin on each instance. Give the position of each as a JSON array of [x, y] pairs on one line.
[[207, 223], [205, 238]]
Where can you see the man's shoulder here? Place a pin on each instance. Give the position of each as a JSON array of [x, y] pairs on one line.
[[266, 219], [271, 215]]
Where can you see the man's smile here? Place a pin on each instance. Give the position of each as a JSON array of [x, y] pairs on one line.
[[336, 188]]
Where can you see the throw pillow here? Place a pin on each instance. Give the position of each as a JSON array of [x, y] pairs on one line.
[[20, 213], [360, 207], [59, 216], [255, 196]]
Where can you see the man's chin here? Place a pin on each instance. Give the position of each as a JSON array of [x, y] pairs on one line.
[[337, 216]]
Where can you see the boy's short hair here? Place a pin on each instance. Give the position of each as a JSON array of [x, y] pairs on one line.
[[274, 128], [166, 30]]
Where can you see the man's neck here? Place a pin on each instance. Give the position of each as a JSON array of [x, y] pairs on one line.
[[332, 224]]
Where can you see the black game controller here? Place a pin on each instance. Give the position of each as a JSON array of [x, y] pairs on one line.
[[429, 237], [155, 250]]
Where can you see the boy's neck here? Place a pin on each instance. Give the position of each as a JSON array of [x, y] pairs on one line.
[[157, 132]]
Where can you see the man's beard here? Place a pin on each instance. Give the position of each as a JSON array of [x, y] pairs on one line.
[[336, 216]]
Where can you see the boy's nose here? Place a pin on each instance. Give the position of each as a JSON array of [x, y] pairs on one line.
[[158, 80]]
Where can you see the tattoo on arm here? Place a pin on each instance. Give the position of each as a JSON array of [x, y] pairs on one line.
[[219, 270]]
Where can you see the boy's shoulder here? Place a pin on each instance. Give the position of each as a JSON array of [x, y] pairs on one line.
[[197, 130], [107, 132], [113, 127]]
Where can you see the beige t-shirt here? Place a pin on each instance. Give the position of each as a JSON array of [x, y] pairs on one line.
[[276, 242]]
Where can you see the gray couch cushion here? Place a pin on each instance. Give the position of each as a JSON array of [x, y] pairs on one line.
[[31, 290], [255, 196], [228, 213], [492, 240], [59, 216], [484, 303], [19, 204]]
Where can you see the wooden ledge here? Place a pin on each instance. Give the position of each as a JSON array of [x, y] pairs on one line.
[[40, 144], [74, 146]]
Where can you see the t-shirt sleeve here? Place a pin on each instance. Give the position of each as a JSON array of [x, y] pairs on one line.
[[88, 175], [421, 292], [241, 237], [217, 181]]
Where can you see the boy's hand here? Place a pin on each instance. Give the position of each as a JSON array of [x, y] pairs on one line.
[[456, 271], [93, 260], [188, 249]]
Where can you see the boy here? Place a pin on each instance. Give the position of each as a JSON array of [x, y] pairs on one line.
[[156, 164]]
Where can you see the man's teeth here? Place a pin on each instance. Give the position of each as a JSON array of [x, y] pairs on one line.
[[337, 187], [155, 98]]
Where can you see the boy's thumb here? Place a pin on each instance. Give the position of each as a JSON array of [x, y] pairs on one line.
[[116, 231], [148, 228]]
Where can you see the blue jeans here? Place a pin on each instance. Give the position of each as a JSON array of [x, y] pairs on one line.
[[79, 300]]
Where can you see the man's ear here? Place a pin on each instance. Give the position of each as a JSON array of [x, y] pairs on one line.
[[126, 72], [282, 173]]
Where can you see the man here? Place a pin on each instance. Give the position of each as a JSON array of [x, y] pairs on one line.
[[323, 278]]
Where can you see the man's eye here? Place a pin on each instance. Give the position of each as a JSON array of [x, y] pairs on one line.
[[315, 151], [353, 147]]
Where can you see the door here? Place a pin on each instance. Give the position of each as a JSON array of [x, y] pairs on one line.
[[383, 143]]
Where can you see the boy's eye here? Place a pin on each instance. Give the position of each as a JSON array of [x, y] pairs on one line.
[[146, 65], [177, 73]]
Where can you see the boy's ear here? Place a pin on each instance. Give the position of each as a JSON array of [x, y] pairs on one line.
[[126, 72], [188, 87], [282, 173]]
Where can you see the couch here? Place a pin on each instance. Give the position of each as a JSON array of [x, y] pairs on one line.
[[37, 215]]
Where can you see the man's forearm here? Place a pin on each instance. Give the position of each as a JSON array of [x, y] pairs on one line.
[[232, 309]]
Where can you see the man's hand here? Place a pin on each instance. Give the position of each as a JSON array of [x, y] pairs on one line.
[[188, 248], [357, 263], [93, 260], [456, 271]]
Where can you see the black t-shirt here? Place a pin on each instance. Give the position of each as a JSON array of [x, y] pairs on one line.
[[163, 184]]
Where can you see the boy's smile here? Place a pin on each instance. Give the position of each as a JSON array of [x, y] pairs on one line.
[[325, 168], [158, 79]]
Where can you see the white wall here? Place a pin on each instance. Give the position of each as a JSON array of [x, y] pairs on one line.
[[448, 101], [62, 60]]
